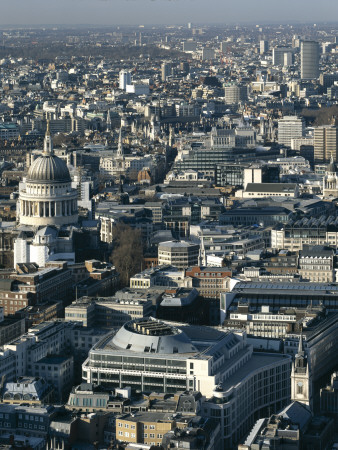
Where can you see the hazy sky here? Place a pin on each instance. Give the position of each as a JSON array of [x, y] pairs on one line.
[[106, 12]]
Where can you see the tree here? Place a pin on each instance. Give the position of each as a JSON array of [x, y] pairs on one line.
[[127, 254]]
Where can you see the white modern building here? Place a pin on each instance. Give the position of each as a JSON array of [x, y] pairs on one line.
[[180, 254], [155, 356], [124, 79], [290, 127]]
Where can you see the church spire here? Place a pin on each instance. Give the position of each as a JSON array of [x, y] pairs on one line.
[[300, 345], [48, 143], [202, 255]]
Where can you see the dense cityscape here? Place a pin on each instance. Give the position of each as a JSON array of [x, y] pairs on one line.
[[168, 237]]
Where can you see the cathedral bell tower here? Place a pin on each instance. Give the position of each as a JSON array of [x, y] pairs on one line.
[[301, 377]]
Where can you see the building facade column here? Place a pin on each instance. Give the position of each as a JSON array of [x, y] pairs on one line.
[[44, 209], [50, 210]]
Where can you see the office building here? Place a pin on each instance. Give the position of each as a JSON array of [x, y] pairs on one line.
[[278, 55], [235, 93], [109, 312], [288, 59], [316, 264], [328, 79], [329, 398], [326, 143], [189, 46], [124, 79], [165, 70], [58, 371], [209, 281], [309, 60], [290, 127], [154, 356], [26, 420], [180, 254], [240, 137], [261, 190], [268, 323], [263, 47], [29, 286], [10, 328], [208, 53], [293, 428], [321, 230], [185, 303]]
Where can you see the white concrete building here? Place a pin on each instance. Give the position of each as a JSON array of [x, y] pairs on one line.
[[180, 254], [124, 79], [155, 356], [290, 127]]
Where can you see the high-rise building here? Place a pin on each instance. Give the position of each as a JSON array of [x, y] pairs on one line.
[[124, 79], [234, 93], [288, 59], [208, 53], [328, 79], [296, 41], [326, 143], [290, 127], [263, 47], [189, 46], [165, 70], [309, 60], [278, 55]]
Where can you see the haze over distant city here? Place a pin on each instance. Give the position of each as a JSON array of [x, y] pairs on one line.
[[107, 12]]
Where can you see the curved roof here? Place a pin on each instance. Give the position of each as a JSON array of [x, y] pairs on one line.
[[152, 336], [48, 167]]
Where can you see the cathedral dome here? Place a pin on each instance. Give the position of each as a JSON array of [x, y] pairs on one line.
[[47, 168]]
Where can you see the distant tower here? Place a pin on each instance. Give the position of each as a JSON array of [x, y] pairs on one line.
[[124, 79], [165, 70], [309, 60], [301, 377], [171, 136], [263, 47]]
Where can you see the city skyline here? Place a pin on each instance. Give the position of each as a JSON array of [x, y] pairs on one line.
[[123, 12]]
